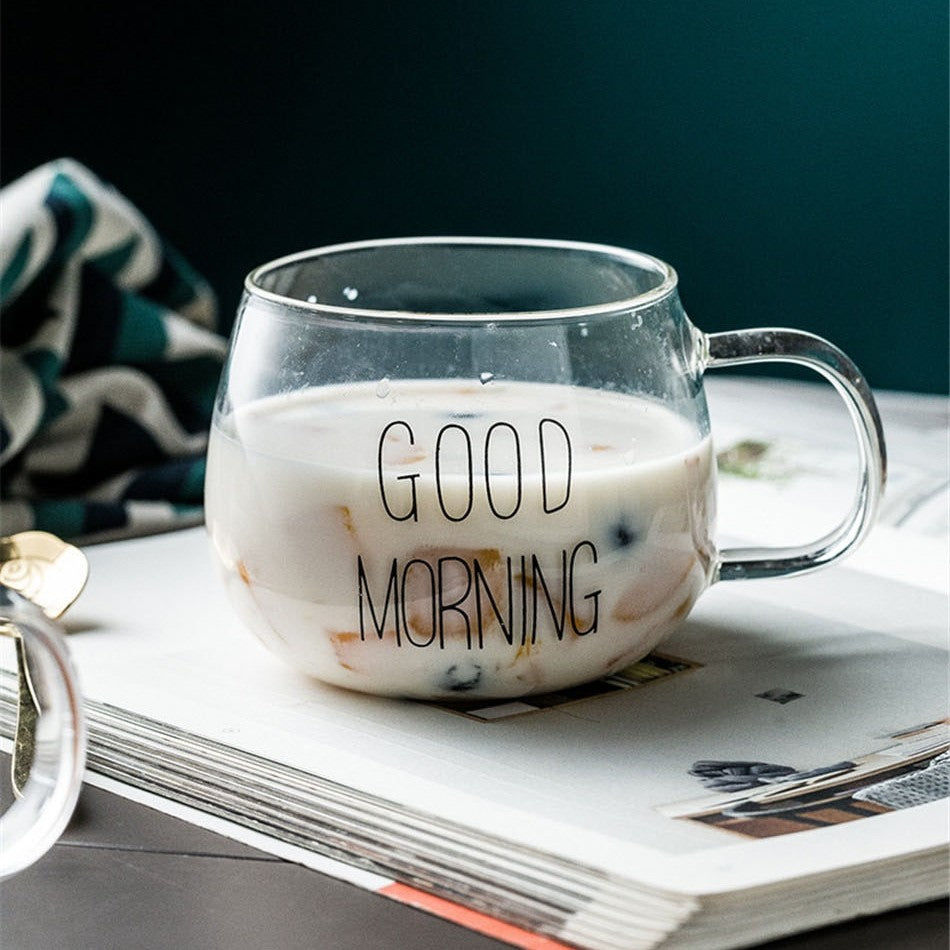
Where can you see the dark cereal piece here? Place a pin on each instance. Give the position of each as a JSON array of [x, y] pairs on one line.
[[461, 677], [622, 534]]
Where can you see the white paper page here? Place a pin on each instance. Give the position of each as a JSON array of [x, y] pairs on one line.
[[153, 634], [804, 481]]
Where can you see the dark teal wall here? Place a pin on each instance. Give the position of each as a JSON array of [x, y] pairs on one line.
[[788, 158]]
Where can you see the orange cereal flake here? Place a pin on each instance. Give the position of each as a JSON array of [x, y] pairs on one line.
[[346, 516], [340, 641], [683, 609], [648, 592]]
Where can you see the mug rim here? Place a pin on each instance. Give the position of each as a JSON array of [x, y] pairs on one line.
[[667, 285]]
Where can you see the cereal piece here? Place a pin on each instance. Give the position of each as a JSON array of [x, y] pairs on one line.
[[346, 517], [343, 643], [654, 585], [623, 534], [241, 568], [461, 677]]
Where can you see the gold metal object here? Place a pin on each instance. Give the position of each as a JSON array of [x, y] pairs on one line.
[[51, 574], [44, 569]]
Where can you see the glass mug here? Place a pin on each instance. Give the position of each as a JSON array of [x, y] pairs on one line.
[[456, 468], [57, 734]]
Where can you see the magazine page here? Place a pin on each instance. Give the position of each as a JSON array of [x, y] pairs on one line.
[[790, 727], [788, 463], [756, 716]]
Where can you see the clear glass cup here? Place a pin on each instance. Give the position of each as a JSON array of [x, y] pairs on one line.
[[56, 733], [461, 467]]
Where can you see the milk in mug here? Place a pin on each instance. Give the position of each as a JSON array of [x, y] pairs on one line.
[[441, 539]]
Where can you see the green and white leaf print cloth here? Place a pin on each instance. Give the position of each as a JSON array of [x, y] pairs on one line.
[[109, 363]]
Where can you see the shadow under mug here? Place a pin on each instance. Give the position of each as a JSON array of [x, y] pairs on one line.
[[472, 467]]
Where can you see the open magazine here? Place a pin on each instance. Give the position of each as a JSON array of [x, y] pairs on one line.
[[781, 762]]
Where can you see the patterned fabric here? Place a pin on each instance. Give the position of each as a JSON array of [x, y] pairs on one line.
[[108, 364]]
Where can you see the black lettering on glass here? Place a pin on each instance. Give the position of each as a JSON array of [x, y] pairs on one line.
[[488, 470], [594, 596], [482, 587], [425, 598], [539, 583], [445, 606], [523, 578], [438, 472], [413, 511], [549, 506], [366, 602]]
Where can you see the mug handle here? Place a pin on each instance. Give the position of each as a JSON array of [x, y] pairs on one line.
[[773, 344], [45, 802]]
